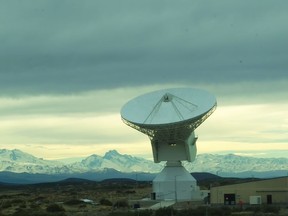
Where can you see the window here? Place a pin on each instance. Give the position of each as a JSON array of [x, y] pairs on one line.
[[229, 199]]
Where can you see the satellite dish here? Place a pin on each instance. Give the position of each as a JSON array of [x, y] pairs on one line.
[[169, 107], [169, 117]]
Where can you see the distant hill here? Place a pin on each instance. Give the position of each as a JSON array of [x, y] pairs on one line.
[[117, 180], [75, 181], [30, 178], [199, 176]]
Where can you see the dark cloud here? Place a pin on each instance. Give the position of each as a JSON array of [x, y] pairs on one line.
[[71, 46]]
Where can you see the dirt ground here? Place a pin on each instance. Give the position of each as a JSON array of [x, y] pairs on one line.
[[85, 198]]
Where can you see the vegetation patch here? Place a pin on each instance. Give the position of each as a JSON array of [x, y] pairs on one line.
[[55, 208]]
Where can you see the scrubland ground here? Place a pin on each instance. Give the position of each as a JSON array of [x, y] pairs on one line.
[[88, 198], [75, 198]]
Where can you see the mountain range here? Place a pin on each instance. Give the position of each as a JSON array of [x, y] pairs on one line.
[[17, 162]]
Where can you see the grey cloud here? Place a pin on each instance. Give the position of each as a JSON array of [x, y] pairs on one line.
[[71, 46]]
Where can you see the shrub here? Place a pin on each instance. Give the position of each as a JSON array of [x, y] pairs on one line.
[[270, 209], [17, 201], [23, 205], [55, 208], [121, 204], [187, 212], [6, 205], [254, 209], [34, 206], [165, 211], [116, 213], [105, 202], [264, 209], [144, 213], [73, 202], [27, 212], [21, 212], [223, 211]]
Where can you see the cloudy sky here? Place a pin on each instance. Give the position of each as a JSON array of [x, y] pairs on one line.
[[67, 68]]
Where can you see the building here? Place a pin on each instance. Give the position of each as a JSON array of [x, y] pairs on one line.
[[269, 191]]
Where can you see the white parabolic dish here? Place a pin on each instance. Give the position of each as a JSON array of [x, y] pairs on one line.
[[168, 106]]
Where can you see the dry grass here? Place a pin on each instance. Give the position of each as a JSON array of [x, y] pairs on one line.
[[37, 199]]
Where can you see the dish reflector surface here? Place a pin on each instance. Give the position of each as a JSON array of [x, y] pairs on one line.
[[168, 106]]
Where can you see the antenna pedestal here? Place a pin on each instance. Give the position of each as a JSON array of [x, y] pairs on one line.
[[174, 182]]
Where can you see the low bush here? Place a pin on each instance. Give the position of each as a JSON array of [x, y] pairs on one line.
[[6, 205], [73, 202], [264, 209], [55, 208], [17, 201], [270, 209], [118, 213], [165, 211], [144, 213], [223, 211], [121, 204], [105, 202], [22, 212]]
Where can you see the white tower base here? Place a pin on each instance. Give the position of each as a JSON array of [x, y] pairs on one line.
[[174, 182]]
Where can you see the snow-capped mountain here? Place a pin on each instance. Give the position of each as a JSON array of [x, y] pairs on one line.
[[232, 163], [18, 162], [17, 155], [121, 162]]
